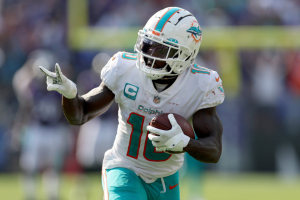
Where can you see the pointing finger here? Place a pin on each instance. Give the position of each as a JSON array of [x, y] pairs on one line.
[[58, 74], [47, 72]]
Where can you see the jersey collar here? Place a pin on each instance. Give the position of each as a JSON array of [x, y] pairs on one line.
[[170, 91]]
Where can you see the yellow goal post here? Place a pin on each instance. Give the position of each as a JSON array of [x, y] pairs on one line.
[[226, 41]]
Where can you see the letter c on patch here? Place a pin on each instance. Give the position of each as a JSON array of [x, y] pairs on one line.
[[130, 91]]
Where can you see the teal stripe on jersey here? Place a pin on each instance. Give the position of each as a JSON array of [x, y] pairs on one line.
[[164, 19]]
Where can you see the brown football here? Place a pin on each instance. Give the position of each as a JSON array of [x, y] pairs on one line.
[[162, 122]]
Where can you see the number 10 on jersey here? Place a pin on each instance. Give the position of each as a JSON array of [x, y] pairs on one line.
[[137, 122]]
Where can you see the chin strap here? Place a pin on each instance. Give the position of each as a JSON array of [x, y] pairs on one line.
[[168, 77]]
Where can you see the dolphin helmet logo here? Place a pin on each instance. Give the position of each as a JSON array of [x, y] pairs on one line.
[[196, 32]]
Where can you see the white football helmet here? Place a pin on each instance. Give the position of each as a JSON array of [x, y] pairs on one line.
[[172, 35]]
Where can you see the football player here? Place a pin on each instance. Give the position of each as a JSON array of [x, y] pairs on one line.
[[160, 78]]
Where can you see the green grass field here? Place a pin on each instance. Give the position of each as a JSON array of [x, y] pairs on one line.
[[214, 187]]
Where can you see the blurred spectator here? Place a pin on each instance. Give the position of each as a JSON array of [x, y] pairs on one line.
[[268, 79], [40, 128]]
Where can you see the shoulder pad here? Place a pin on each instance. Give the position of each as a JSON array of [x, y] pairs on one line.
[[117, 66]]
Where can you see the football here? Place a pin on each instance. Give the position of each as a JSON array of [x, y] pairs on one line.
[[162, 122]]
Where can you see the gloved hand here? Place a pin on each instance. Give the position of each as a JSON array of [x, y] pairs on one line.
[[57, 81], [171, 140]]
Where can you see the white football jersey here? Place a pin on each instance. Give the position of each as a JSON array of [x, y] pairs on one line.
[[139, 102]]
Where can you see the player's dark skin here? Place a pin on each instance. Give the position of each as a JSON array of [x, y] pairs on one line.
[[206, 122]]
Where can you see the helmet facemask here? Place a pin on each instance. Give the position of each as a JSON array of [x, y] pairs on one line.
[[157, 49]]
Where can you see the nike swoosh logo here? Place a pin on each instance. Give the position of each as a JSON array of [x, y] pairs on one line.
[[172, 187], [217, 79]]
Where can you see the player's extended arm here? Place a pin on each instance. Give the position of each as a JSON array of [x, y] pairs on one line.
[[208, 128], [79, 109], [84, 108]]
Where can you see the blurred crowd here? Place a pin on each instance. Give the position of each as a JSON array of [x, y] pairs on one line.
[[260, 124]]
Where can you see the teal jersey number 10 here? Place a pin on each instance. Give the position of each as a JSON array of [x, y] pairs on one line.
[[149, 152]]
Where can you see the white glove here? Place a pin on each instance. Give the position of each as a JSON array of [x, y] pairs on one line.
[[57, 81], [172, 140]]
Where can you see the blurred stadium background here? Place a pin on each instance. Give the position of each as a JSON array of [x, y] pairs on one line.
[[253, 44]]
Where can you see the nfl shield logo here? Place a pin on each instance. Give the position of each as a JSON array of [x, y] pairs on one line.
[[156, 99]]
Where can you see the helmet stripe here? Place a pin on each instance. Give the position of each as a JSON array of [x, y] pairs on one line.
[[165, 18]]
